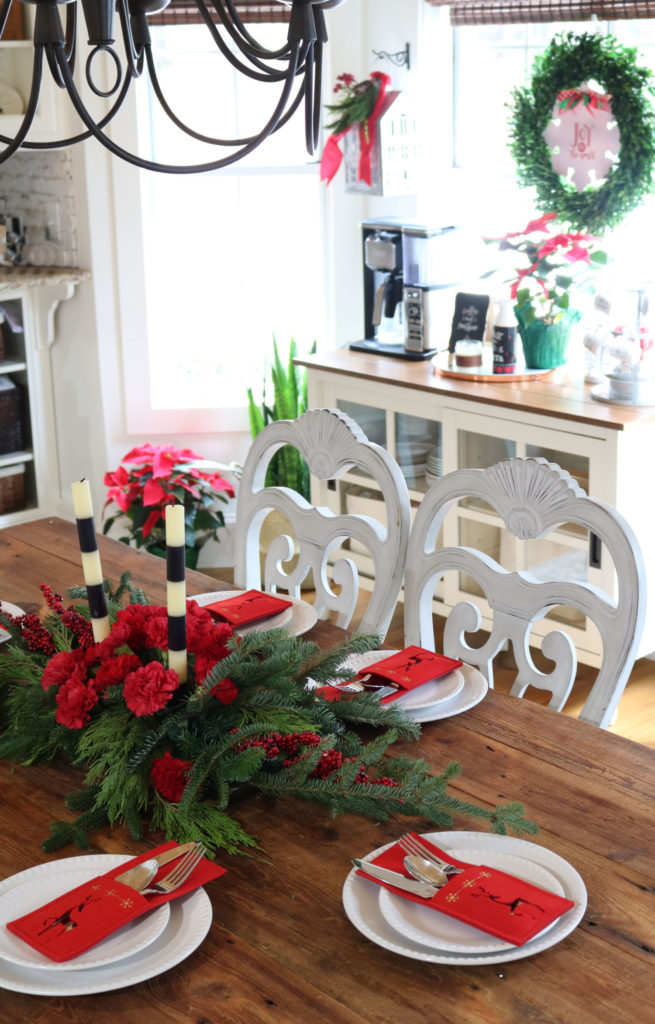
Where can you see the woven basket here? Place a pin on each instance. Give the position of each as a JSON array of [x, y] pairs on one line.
[[12, 437], [12, 489]]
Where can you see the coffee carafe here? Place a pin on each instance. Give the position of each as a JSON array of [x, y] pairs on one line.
[[383, 281]]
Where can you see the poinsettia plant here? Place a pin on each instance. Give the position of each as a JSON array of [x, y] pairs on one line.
[[153, 476], [552, 261], [169, 753]]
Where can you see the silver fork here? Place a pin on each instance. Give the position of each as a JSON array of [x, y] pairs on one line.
[[414, 846], [178, 876]]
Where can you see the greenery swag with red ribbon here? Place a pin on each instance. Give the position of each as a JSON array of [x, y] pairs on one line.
[[361, 105]]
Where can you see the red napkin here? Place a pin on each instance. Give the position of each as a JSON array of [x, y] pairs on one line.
[[82, 917], [248, 607], [486, 898], [405, 670]]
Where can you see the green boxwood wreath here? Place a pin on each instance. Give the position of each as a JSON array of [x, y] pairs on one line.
[[568, 61]]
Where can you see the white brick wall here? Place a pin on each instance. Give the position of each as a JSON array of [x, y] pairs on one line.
[[38, 188]]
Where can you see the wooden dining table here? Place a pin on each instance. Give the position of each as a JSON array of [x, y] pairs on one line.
[[281, 948]]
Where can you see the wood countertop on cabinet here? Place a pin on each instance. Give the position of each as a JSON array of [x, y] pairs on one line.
[[558, 395]]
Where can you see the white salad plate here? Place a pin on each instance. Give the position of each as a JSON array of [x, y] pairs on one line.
[[189, 921], [297, 619], [430, 928], [10, 609], [361, 901], [428, 695], [36, 886]]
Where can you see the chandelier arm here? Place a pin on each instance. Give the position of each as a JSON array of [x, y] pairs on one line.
[[32, 104], [150, 165], [308, 86], [267, 75], [154, 80], [53, 65], [133, 54], [318, 74], [71, 34], [246, 42], [60, 143]]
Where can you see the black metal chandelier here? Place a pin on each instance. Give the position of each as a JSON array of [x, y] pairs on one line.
[[300, 58]]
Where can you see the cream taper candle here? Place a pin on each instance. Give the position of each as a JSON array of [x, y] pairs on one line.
[[91, 567], [176, 589]]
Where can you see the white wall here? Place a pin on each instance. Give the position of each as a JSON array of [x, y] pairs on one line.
[[91, 348]]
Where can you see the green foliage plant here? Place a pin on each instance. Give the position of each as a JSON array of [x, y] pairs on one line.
[[288, 384]]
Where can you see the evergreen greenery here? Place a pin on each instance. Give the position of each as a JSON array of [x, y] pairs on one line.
[[274, 734], [566, 63]]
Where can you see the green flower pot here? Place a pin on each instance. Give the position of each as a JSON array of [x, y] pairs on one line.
[[545, 344]]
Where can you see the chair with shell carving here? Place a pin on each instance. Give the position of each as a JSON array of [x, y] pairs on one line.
[[331, 443], [532, 497]]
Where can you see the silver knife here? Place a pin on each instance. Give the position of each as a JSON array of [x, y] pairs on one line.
[[394, 878], [131, 876]]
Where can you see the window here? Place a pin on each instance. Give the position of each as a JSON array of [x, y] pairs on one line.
[[484, 176], [223, 271]]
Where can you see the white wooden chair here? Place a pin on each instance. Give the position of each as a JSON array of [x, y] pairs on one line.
[[331, 443], [532, 497]]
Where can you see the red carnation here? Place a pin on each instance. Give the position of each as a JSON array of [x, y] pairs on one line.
[[114, 670], [75, 698], [155, 632], [61, 667], [169, 775], [226, 691], [150, 688]]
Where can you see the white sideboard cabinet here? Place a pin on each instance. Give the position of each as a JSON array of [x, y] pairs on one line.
[[433, 425]]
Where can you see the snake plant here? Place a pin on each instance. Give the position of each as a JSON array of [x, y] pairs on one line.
[[289, 385]]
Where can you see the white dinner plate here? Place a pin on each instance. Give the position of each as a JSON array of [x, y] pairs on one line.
[[10, 609], [362, 906], [429, 695], [429, 927], [32, 888], [474, 690], [188, 923], [297, 619]]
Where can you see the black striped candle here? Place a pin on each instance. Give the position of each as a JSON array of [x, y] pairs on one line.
[[91, 568], [176, 590]]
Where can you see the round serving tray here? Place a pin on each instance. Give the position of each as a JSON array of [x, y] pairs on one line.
[[485, 372]]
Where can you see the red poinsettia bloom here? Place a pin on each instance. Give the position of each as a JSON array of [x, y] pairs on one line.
[[169, 775], [62, 666], [113, 671], [150, 688], [75, 698], [226, 691]]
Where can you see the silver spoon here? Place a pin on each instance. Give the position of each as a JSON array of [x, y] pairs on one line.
[[424, 871], [139, 876]]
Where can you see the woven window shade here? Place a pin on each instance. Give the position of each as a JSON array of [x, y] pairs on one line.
[[185, 12], [498, 12]]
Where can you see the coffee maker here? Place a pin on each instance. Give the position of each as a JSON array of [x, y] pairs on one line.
[[409, 276]]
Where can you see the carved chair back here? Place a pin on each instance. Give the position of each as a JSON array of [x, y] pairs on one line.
[[533, 497], [331, 443]]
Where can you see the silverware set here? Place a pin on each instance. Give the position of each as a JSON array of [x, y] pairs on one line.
[[189, 856], [428, 871]]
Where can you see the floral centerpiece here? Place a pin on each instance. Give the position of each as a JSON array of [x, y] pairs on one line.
[[156, 476], [158, 751], [541, 286]]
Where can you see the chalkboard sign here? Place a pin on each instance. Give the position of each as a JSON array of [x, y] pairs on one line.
[[469, 319]]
